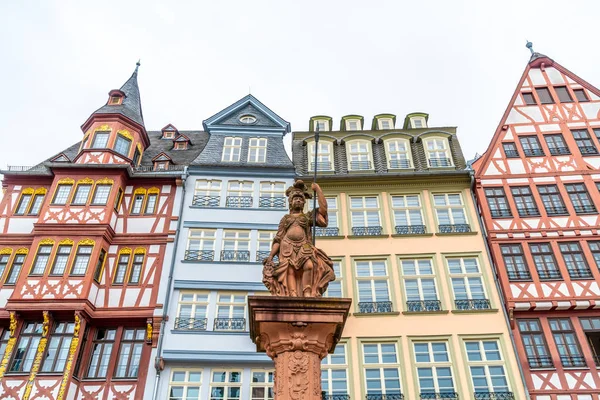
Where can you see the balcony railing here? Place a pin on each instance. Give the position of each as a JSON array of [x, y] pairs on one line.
[[455, 228], [511, 153], [325, 396], [230, 324], [239, 201], [367, 230], [151, 168], [556, 210], [472, 304], [440, 396], [26, 168], [272, 202], [585, 209], [519, 275], [329, 231], [321, 165], [190, 324], [494, 396], [410, 229], [501, 213], [375, 307], [235, 255], [399, 164], [394, 396], [588, 150], [579, 273], [533, 152], [540, 362], [439, 162], [528, 212], [206, 201], [550, 274], [557, 151], [423, 305], [360, 165], [572, 361], [199, 255]]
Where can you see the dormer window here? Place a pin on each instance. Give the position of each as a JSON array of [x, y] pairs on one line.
[[114, 100], [398, 153], [257, 150], [247, 119], [161, 165], [437, 151], [100, 140], [386, 123], [168, 135], [232, 148], [353, 125], [418, 122], [359, 155], [180, 146], [115, 97], [322, 124], [324, 157]]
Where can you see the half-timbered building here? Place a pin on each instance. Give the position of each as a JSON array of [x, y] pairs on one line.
[[537, 188]]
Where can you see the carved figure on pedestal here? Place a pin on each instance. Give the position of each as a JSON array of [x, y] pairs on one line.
[[303, 269]]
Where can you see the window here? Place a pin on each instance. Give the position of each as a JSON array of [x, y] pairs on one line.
[[381, 368], [136, 268], [419, 285], [398, 153], [185, 385], [4, 338], [27, 347], [566, 343], [334, 372], [168, 135], [510, 150], [257, 150], [531, 146], [538, 355], [437, 152], [207, 193], [467, 284], [239, 194], [62, 194], [353, 125], [265, 239], [151, 203], [373, 291], [36, 206], [556, 144], [226, 385], [591, 328], [544, 95], [333, 228], [192, 311], [118, 200], [137, 155], [594, 248], [385, 123], [122, 145], [524, 201], [324, 156], [584, 142], [575, 261], [450, 213], [41, 260], [496, 199], [247, 119], [122, 265], [272, 195], [82, 193], [82, 259], [580, 198], [23, 204], [232, 148], [138, 202], [101, 194], [434, 369], [597, 133], [322, 124], [486, 367], [231, 312], [180, 146], [580, 95], [236, 246], [529, 99], [130, 353], [57, 351], [552, 200], [514, 261], [359, 155], [15, 269], [261, 386], [418, 122], [4, 262], [100, 140], [335, 288], [60, 260], [100, 266], [201, 245], [563, 94], [364, 212], [115, 99], [544, 261]]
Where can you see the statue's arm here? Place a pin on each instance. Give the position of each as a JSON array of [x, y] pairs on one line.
[[276, 241], [322, 219]]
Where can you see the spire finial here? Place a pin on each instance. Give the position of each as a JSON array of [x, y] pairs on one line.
[[529, 45], [137, 65]]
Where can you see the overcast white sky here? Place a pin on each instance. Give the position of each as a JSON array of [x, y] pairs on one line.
[[457, 60]]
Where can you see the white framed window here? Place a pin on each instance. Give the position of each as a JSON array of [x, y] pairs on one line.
[[82, 193], [200, 245], [486, 366], [322, 124], [185, 384], [437, 151], [419, 285], [398, 153], [372, 280], [359, 155], [434, 367], [418, 122], [257, 150], [265, 240], [324, 156], [381, 368], [192, 311], [467, 283], [247, 119], [226, 385], [231, 312], [353, 125], [333, 227], [334, 372], [236, 246], [101, 194], [261, 385], [385, 123], [272, 195], [364, 213], [239, 194], [168, 135], [232, 148], [408, 214], [335, 288], [450, 213], [207, 193]]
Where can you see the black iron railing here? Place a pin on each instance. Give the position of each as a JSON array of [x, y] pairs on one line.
[[391, 396], [321, 166], [235, 255], [494, 396], [238, 201], [206, 201], [360, 165], [519, 275], [375, 307], [150, 168], [325, 396], [272, 202], [455, 228], [528, 212], [440, 396], [501, 213], [572, 361], [579, 273], [26, 168], [540, 362], [588, 150], [423, 305], [556, 210], [367, 230], [410, 229], [533, 152], [559, 150], [550, 274], [399, 164], [585, 209], [472, 304], [440, 162], [329, 231], [190, 324], [511, 153], [230, 324], [200, 255]]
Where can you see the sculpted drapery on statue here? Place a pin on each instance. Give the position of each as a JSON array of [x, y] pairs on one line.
[[303, 269]]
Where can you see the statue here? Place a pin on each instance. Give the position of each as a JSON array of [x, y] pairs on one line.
[[303, 269]]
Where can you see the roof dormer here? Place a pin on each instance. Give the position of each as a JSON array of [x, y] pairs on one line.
[[169, 132], [115, 97], [383, 121], [322, 121], [416, 120], [181, 142], [162, 161], [352, 123]]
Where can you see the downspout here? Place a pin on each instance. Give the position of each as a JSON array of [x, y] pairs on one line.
[[163, 323], [498, 288]]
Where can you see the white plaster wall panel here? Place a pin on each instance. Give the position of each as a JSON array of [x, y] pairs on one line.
[[145, 300], [584, 397], [154, 248], [593, 161], [529, 128], [582, 304], [534, 113], [517, 180], [561, 222], [497, 154], [173, 226], [209, 341], [114, 297], [128, 189], [589, 219], [71, 391], [161, 202], [555, 76], [485, 182], [93, 293], [579, 288], [113, 220], [224, 272], [140, 225], [590, 109], [576, 124], [543, 305], [112, 249], [544, 397], [573, 379], [5, 294], [2, 224], [519, 235], [515, 117], [535, 234], [21, 225], [552, 234], [166, 189], [516, 166], [569, 233], [119, 227], [131, 296], [160, 226], [100, 298], [518, 101], [536, 77], [593, 96], [492, 170], [532, 221], [508, 135], [585, 232], [549, 127]]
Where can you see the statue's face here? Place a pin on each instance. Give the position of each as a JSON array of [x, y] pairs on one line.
[[297, 202]]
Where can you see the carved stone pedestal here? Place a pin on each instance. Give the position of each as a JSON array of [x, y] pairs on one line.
[[297, 333]]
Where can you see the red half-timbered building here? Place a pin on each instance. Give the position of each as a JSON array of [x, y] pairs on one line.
[[86, 238], [537, 187]]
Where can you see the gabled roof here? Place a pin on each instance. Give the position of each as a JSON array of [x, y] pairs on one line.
[[182, 138], [162, 156], [60, 158], [169, 128]]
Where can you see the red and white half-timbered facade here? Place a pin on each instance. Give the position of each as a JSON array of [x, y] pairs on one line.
[[537, 187]]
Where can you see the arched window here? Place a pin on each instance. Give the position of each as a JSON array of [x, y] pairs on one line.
[[359, 155], [437, 151], [398, 153], [324, 156]]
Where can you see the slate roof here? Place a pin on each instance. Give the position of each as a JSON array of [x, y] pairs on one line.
[[131, 107]]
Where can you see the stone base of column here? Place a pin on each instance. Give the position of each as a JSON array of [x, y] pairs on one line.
[[297, 333]]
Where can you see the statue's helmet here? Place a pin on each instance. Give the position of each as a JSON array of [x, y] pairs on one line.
[[298, 189]]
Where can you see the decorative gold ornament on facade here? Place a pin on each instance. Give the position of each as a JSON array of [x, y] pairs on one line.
[[71, 357], [149, 331], [86, 242], [10, 344], [105, 181], [125, 133], [66, 241], [37, 361]]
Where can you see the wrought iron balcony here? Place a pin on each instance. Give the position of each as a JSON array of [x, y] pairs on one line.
[[199, 255], [337, 396], [550, 274], [190, 324], [501, 213], [585, 209], [556, 210], [559, 150], [206, 201], [494, 396], [329, 231], [410, 229], [511, 153], [360, 165], [26, 168], [440, 162], [572, 361], [528, 212], [262, 254], [533, 152], [367, 230], [440, 396], [519, 275], [399, 164], [272, 202], [579, 273], [375, 307], [321, 166], [423, 305], [455, 228], [235, 255], [392, 396], [587, 150], [230, 324], [540, 362], [472, 304], [238, 201], [151, 168]]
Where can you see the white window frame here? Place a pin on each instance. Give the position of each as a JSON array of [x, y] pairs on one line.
[[365, 211], [325, 155], [380, 122], [419, 265], [240, 240], [229, 302], [466, 277], [227, 384], [198, 306], [265, 240], [434, 365], [266, 384], [396, 158], [243, 189], [413, 122], [359, 155], [210, 190], [440, 150], [257, 150], [449, 207], [381, 366], [318, 122], [372, 278], [349, 123], [400, 205], [186, 383], [485, 363], [330, 364], [272, 189], [230, 145], [202, 236], [338, 268]]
